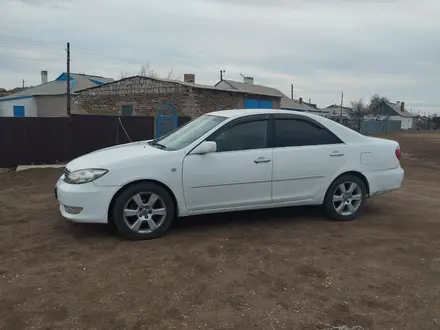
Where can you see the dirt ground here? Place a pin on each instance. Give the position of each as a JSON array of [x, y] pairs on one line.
[[276, 269]]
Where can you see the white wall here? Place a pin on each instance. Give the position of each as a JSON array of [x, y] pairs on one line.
[[30, 107], [407, 123]]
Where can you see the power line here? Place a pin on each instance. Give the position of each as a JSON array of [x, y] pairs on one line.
[[31, 41], [76, 49], [15, 48], [29, 58]]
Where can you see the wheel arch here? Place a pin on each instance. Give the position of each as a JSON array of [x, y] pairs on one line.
[[357, 174], [126, 186]]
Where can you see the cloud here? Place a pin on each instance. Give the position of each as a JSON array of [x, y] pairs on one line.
[[322, 47]]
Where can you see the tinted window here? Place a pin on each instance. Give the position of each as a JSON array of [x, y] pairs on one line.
[[245, 136], [294, 133]]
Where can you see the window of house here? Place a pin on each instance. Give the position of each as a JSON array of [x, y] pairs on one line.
[[245, 136], [295, 133], [127, 110]]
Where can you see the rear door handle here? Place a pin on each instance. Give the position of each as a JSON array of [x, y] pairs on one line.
[[260, 160], [336, 154]]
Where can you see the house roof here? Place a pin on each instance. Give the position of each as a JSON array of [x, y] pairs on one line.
[[396, 108], [58, 86], [178, 82], [290, 104], [335, 106], [253, 89]]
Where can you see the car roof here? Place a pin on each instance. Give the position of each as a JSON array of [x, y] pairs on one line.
[[235, 113], [344, 133]]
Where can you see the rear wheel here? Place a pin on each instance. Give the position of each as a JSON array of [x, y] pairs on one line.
[[143, 211], [345, 198]]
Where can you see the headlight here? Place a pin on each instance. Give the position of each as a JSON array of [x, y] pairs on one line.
[[85, 176]]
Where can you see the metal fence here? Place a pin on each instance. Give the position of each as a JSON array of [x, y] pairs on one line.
[[373, 127], [370, 127], [25, 141], [425, 124]]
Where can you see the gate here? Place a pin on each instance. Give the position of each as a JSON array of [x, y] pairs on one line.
[[166, 119]]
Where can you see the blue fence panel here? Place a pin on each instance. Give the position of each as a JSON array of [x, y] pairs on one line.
[[166, 119]]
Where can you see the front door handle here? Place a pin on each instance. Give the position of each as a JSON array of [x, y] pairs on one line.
[[260, 160], [336, 154]]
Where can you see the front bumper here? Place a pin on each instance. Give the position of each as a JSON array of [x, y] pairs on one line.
[[93, 200]]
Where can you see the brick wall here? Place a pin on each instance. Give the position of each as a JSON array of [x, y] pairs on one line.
[[145, 95], [208, 101]]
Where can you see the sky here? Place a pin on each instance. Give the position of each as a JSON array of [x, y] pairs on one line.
[[322, 47]]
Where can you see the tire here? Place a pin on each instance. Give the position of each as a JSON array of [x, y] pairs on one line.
[[138, 217], [335, 191]]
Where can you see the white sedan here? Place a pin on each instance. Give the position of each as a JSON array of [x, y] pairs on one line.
[[231, 160]]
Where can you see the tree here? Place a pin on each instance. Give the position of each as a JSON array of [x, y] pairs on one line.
[[170, 74], [360, 109], [146, 71], [375, 101]]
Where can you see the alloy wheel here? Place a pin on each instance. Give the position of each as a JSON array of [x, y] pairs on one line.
[[347, 198], [145, 212]]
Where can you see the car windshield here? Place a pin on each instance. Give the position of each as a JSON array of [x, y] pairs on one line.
[[188, 133]]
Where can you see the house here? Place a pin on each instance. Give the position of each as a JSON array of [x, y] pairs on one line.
[[48, 99], [299, 105], [145, 96], [256, 96], [338, 111], [395, 111]]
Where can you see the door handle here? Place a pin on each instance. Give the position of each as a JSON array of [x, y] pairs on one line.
[[260, 160], [336, 154]]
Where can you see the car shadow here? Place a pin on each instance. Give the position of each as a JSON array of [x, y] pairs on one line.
[[196, 224], [84, 231], [276, 216]]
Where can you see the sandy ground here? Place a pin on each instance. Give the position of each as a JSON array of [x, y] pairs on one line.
[[276, 269]]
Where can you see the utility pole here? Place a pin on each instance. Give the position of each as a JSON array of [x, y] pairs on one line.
[[291, 91], [342, 101], [221, 74], [68, 79], [23, 83]]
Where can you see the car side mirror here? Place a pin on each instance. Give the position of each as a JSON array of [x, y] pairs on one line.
[[205, 148]]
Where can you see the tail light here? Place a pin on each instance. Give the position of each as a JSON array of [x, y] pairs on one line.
[[398, 153]]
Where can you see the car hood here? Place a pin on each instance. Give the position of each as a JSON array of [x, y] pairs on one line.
[[105, 157]]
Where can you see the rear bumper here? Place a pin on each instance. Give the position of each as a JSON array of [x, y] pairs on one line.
[[382, 182]]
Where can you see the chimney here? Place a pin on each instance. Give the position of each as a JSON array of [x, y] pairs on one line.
[[300, 100], [402, 106], [249, 80], [189, 78], [43, 77]]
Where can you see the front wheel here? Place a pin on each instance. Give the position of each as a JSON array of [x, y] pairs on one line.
[[143, 211], [345, 198]]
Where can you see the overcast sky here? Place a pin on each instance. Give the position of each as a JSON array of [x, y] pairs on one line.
[[389, 47]]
